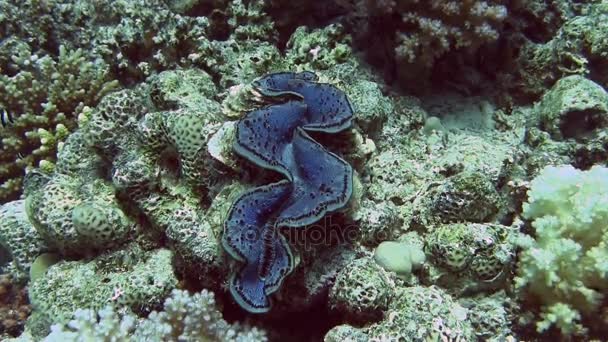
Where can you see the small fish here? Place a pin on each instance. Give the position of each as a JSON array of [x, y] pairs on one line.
[[6, 118]]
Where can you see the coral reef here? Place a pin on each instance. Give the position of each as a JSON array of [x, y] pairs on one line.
[[410, 37], [573, 108], [377, 222], [142, 150], [467, 196], [476, 256], [43, 95], [318, 49], [69, 214], [490, 316], [441, 26], [577, 48]]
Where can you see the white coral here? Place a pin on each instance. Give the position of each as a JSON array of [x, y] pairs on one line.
[[185, 317]]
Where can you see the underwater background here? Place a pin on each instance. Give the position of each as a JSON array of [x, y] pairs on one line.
[[272, 170]]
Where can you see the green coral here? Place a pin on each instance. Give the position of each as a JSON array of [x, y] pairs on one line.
[[188, 118], [190, 88], [376, 221], [476, 256], [41, 264], [362, 290], [565, 266], [71, 214], [467, 196], [116, 114], [188, 132], [573, 108], [578, 48], [373, 108], [194, 241], [318, 49], [130, 277], [76, 157], [43, 96], [245, 61], [490, 316], [415, 314], [19, 237], [390, 177]]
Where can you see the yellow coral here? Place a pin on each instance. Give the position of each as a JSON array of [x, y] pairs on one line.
[[43, 97]]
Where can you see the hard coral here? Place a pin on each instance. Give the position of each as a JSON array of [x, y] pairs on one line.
[[415, 314], [362, 291], [471, 257], [428, 30], [467, 196], [578, 48], [19, 237], [43, 96], [574, 108], [564, 269], [69, 213], [186, 317], [129, 278]]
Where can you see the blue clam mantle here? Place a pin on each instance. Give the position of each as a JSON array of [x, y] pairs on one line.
[[317, 181]]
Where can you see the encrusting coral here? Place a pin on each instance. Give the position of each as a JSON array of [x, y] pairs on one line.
[[128, 278], [574, 107], [415, 314], [362, 291], [19, 237]]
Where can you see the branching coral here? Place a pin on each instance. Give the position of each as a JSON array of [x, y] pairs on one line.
[[429, 29], [43, 96], [185, 317], [565, 268]]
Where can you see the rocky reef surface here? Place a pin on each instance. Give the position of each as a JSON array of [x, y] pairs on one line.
[[343, 170]]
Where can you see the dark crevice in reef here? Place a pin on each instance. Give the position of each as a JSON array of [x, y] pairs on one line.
[[288, 16], [304, 326], [204, 8], [218, 26], [376, 52]]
